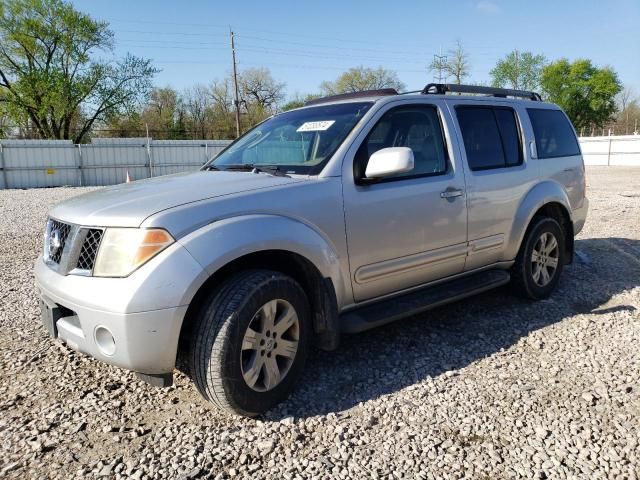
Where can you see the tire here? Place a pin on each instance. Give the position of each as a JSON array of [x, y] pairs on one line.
[[225, 357], [528, 272]]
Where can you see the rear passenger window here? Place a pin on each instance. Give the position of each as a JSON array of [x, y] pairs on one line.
[[491, 136], [554, 135]]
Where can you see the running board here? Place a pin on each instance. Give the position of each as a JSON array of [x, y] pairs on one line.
[[386, 311]]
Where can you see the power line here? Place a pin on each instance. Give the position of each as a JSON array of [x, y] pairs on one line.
[[297, 66]]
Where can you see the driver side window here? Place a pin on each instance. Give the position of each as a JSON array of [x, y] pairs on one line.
[[415, 126]]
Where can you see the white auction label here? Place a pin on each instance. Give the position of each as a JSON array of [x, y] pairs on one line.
[[315, 126]]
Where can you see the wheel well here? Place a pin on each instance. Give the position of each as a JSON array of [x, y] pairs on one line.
[[559, 213], [319, 290]]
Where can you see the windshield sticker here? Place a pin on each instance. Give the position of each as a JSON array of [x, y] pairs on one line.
[[316, 126]]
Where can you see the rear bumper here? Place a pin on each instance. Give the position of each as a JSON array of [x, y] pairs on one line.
[[580, 216]]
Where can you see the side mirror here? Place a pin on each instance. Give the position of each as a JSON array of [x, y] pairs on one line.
[[389, 161]]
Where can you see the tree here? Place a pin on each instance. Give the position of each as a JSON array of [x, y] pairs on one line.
[[586, 93], [50, 75], [165, 114], [258, 87], [438, 67], [298, 101], [629, 111], [197, 103], [457, 64], [361, 78], [518, 70]]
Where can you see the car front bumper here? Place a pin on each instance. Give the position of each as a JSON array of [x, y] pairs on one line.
[[131, 322]]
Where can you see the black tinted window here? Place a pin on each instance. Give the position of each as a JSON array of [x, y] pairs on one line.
[[491, 137], [510, 135], [416, 127], [553, 132]]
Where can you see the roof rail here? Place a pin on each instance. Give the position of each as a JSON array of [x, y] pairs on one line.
[[444, 88], [345, 96]]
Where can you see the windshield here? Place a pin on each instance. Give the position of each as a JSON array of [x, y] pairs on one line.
[[300, 141]]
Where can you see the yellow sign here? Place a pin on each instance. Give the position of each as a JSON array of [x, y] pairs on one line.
[[50, 171]]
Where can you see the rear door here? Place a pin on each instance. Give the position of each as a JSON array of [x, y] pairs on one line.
[[558, 151], [498, 172]]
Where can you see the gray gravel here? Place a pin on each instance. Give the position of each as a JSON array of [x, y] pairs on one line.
[[494, 387]]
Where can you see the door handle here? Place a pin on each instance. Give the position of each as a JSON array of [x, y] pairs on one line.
[[570, 169], [451, 193]]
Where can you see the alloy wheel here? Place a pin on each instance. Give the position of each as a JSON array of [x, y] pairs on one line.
[[269, 345], [544, 259]]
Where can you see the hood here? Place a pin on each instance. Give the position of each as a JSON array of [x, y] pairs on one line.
[[128, 204]]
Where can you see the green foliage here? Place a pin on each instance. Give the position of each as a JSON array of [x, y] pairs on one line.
[[518, 70], [298, 101], [50, 75], [361, 78], [586, 93]]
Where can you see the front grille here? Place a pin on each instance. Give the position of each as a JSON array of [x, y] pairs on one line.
[[58, 233], [89, 250]]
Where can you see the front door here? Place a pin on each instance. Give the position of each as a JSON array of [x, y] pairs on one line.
[[403, 231]]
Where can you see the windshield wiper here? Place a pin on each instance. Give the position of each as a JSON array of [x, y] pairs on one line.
[[252, 167], [211, 167]]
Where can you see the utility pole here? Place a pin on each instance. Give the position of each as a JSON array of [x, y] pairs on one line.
[[515, 79], [439, 62], [235, 85]]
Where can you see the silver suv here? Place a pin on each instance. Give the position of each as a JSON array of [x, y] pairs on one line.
[[351, 212]]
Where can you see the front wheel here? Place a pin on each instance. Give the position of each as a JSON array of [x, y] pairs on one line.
[[539, 263], [250, 343]]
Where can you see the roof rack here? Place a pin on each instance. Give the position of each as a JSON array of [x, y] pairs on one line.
[[444, 88], [345, 96]]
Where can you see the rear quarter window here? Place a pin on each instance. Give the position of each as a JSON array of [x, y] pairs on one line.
[[553, 133]]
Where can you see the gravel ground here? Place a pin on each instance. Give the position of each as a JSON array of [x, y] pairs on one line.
[[494, 387]]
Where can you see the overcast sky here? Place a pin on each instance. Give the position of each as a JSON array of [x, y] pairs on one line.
[[304, 43]]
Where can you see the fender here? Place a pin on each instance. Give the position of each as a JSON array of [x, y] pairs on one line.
[[541, 194], [223, 241]]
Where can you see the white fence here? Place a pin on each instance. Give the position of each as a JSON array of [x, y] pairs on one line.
[[611, 150], [106, 161], [55, 163]]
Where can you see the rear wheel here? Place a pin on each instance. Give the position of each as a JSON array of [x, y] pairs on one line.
[[249, 344], [539, 263]]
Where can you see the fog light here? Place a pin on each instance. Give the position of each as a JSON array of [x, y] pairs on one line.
[[105, 341]]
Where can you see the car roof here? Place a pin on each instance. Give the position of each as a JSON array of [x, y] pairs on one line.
[[433, 90], [384, 99]]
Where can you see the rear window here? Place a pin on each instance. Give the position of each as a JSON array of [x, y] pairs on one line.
[[491, 136], [554, 135]]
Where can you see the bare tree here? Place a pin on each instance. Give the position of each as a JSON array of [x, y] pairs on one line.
[[457, 64], [257, 86], [222, 95], [197, 103], [628, 110], [361, 78]]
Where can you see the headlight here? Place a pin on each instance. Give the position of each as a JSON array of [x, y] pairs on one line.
[[122, 250]]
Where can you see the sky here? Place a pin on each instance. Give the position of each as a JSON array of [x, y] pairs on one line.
[[304, 43]]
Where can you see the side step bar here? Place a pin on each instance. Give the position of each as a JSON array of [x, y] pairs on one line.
[[386, 311]]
